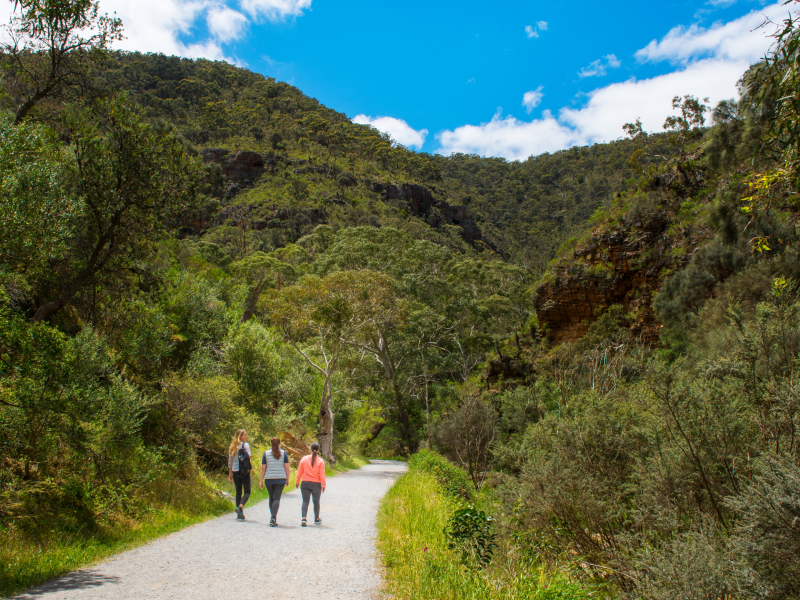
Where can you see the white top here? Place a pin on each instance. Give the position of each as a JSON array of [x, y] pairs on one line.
[[275, 468]]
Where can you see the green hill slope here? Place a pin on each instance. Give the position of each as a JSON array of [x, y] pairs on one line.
[[315, 166]]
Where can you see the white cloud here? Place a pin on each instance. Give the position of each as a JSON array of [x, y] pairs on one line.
[[158, 26], [610, 107], [533, 98], [400, 131], [509, 137], [275, 10], [6, 9], [534, 31], [711, 62], [163, 25], [600, 67], [225, 23], [740, 40]]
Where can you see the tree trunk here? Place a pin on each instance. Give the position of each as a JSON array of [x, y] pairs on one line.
[[326, 421], [376, 431], [252, 302]]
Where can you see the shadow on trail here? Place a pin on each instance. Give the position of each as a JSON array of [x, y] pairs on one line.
[[73, 581]]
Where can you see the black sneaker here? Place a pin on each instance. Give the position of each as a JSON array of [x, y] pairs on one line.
[[303, 523], [240, 514], [317, 521], [273, 522]]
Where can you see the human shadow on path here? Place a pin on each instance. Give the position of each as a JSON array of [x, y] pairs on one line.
[[72, 581]]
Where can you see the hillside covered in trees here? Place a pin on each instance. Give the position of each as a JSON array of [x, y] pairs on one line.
[[606, 338]]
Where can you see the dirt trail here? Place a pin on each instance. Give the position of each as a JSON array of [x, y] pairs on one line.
[[228, 559]]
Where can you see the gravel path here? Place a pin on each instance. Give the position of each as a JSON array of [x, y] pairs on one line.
[[226, 559]]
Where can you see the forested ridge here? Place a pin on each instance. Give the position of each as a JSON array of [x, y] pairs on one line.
[[605, 339]]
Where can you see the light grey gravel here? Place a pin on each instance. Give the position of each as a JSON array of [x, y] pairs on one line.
[[224, 558]]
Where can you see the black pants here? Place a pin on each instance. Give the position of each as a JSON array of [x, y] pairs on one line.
[[311, 489], [274, 489], [242, 483]]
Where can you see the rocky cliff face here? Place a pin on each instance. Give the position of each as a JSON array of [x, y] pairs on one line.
[[623, 264], [420, 202], [242, 169]]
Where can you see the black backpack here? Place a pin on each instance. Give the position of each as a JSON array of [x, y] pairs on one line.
[[244, 461]]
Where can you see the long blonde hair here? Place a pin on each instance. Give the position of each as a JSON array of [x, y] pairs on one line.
[[237, 439]]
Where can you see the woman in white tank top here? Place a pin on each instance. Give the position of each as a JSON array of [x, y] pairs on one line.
[[275, 474]]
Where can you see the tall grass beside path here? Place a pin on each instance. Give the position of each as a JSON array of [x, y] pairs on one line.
[[420, 566]]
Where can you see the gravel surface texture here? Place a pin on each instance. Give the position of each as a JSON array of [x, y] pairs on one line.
[[238, 560]]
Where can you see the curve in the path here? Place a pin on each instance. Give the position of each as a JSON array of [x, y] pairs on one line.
[[228, 559]]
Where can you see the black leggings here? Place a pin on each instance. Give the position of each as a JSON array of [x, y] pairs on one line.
[[311, 489], [242, 483], [275, 489]]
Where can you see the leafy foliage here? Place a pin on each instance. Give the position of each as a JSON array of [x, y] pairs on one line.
[[52, 45], [470, 531], [452, 479]]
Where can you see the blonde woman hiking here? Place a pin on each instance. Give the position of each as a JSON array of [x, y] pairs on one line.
[[311, 481], [275, 474], [239, 454]]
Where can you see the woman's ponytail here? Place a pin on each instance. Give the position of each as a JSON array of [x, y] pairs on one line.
[[314, 453], [276, 447]]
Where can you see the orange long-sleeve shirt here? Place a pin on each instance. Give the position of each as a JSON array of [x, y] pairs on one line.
[[307, 472]]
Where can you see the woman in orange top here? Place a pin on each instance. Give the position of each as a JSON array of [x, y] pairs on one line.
[[312, 482]]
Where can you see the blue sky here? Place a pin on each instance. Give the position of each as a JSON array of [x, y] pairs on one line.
[[505, 79]]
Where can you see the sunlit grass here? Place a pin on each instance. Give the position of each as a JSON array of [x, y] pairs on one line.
[[419, 565], [26, 561]]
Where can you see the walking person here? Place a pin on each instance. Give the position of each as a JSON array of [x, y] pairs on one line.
[[275, 473], [239, 466], [311, 480]]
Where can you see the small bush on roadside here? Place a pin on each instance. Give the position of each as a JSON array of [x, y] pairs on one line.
[[465, 436], [453, 479], [471, 532]]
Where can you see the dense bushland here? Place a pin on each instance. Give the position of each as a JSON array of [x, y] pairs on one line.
[[668, 469], [160, 286]]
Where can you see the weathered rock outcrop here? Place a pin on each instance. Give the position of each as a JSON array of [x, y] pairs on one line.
[[240, 169], [620, 265], [420, 202]]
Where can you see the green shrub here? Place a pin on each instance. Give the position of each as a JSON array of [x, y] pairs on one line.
[[453, 479], [767, 534], [465, 436], [693, 566], [471, 532]]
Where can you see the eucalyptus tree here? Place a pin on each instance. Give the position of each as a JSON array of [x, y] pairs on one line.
[[39, 213], [316, 317], [261, 271], [52, 45], [132, 178]]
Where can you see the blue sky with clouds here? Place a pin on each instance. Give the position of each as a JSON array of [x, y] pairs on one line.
[[508, 79]]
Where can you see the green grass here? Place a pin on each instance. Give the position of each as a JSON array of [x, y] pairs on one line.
[[419, 565], [26, 561]]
